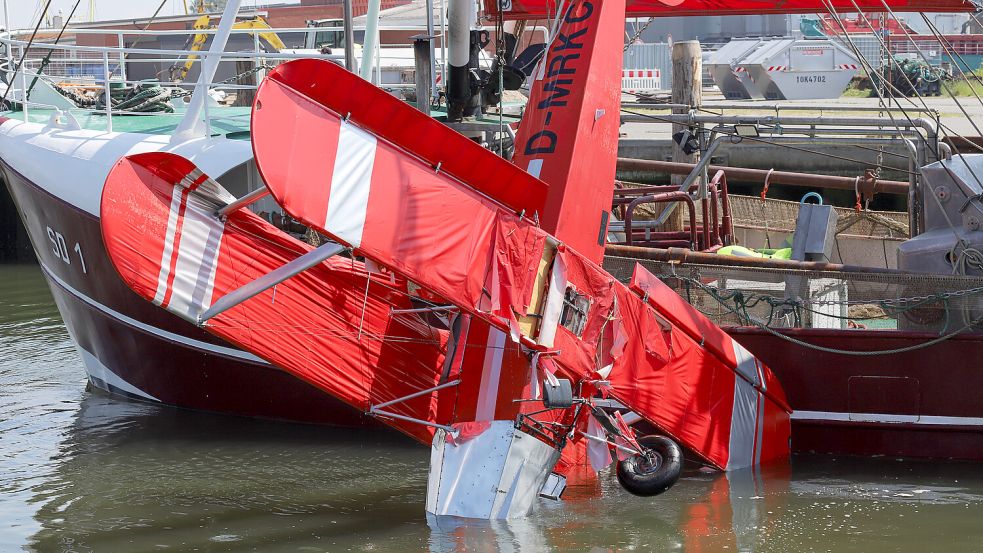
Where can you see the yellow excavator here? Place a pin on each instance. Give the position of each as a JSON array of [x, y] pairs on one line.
[[203, 23]]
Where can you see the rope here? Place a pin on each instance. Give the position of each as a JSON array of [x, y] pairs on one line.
[[139, 38], [152, 99]]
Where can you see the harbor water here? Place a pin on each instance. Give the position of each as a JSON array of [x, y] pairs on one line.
[[80, 471]]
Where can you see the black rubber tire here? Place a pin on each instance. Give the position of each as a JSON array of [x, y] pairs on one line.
[[559, 396], [638, 476]]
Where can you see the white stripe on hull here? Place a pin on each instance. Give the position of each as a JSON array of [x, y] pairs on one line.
[[913, 420], [101, 372], [170, 336]]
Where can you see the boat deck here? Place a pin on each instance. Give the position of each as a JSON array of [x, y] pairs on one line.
[[233, 122]]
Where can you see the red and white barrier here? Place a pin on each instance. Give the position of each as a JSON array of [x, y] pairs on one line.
[[641, 80]]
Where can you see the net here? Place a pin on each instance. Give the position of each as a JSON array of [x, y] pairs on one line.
[[789, 298]]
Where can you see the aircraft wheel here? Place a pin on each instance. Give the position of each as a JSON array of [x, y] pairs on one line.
[[655, 471], [559, 396]]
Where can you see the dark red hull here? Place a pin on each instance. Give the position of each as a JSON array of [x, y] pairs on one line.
[[918, 404], [133, 348], [923, 403]]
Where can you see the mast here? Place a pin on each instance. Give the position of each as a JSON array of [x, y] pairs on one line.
[[192, 126], [460, 15], [371, 39], [349, 30]]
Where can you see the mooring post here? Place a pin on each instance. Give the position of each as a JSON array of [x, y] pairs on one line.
[[423, 63], [687, 89]]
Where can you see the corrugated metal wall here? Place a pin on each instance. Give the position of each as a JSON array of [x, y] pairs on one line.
[[651, 56]]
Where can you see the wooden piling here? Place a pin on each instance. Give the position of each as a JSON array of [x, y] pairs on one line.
[[687, 88]]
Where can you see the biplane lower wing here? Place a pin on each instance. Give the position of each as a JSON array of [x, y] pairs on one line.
[[496, 265], [333, 325]]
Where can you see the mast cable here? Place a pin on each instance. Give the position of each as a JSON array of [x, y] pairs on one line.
[[47, 58], [948, 90], [138, 39], [23, 56]]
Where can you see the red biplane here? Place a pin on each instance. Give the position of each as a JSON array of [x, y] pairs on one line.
[[461, 300]]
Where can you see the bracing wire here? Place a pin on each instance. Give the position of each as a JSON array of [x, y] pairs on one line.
[[47, 58], [23, 55]]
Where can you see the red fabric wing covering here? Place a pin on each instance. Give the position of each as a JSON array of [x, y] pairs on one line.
[[330, 325], [313, 82], [441, 234], [539, 9], [673, 307]]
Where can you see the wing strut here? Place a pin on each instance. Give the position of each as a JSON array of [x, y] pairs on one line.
[[264, 283]]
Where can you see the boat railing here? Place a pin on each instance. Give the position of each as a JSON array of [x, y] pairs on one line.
[[70, 67]]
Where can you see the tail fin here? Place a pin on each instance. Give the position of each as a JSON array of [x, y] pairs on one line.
[[569, 133]]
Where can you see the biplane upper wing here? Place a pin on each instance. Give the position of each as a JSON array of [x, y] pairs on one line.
[[331, 170]]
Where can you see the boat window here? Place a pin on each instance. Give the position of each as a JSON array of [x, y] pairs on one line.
[[574, 314]]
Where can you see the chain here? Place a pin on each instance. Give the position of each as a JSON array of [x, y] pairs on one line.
[[638, 33], [231, 79]]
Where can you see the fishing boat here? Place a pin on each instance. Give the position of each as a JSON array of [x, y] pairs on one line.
[[57, 157]]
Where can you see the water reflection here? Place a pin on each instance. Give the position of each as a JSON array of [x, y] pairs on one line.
[[133, 474]]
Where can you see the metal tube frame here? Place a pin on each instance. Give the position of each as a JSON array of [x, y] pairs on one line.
[[452, 383], [271, 279], [242, 202]]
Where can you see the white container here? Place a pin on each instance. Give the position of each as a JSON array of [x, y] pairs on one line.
[[724, 69], [799, 69]]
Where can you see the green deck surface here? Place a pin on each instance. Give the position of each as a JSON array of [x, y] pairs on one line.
[[229, 121], [232, 122]]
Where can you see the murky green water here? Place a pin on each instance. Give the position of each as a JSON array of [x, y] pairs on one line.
[[83, 472]]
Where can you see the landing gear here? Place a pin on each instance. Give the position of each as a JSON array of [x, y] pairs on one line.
[[655, 462], [655, 470]]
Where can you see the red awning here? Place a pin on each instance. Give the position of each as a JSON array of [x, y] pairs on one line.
[[539, 9]]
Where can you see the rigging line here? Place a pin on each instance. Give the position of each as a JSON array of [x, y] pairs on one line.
[[869, 67], [951, 50], [138, 39], [921, 54], [47, 58], [957, 102], [842, 37], [779, 144], [23, 55], [633, 38], [953, 134], [892, 60]]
